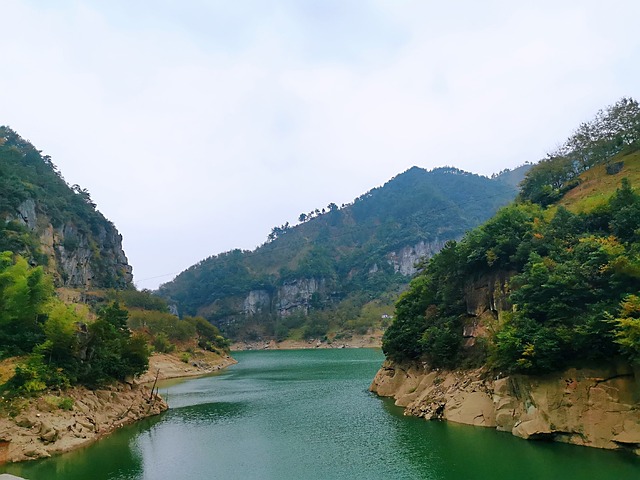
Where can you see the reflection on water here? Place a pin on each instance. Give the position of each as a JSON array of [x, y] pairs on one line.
[[308, 415]]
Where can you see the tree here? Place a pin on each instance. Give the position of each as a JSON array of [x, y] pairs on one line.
[[24, 294], [627, 328]]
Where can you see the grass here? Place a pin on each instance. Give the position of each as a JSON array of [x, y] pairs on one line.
[[597, 186]]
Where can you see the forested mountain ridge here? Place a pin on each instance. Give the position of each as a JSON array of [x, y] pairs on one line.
[[55, 225], [552, 280], [340, 268]]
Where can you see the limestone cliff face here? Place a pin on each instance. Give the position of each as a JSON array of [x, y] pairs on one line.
[[77, 258], [404, 260], [297, 295], [486, 298], [591, 407], [292, 296]]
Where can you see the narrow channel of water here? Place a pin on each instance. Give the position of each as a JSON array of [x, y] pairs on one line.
[[307, 414]]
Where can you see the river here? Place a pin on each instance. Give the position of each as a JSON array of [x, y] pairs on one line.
[[307, 414]]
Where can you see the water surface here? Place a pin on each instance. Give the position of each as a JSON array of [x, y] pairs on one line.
[[307, 414]]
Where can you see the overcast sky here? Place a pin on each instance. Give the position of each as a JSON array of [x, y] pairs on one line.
[[197, 125]]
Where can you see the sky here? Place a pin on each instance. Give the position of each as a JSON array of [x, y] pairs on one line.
[[198, 125]]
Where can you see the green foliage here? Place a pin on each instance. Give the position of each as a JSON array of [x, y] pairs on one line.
[[613, 130], [26, 174], [208, 335], [155, 323], [346, 247], [141, 299], [112, 352], [65, 403], [571, 274], [161, 343], [24, 293], [432, 303], [627, 328]]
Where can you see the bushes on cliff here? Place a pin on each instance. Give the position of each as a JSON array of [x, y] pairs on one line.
[[61, 346], [574, 293]]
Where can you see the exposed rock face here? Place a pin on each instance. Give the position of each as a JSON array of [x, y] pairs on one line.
[[77, 258], [405, 259], [42, 429], [486, 298], [597, 408], [257, 301], [296, 295]]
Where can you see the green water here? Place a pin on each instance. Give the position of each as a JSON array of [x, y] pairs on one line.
[[308, 415]]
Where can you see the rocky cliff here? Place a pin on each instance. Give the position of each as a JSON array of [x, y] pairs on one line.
[[54, 224], [297, 295], [75, 257], [591, 407]]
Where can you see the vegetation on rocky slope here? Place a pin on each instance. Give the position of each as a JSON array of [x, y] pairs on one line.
[[339, 270], [99, 332], [36, 202], [573, 268]]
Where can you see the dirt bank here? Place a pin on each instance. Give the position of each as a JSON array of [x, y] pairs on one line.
[[201, 362]]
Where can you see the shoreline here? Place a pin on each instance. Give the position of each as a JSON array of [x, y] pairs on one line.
[[167, 366], [373, 340], [43, 427]]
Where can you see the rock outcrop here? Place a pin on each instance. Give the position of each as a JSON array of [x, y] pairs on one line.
[[591, 407], [405, 259], [76, 257]]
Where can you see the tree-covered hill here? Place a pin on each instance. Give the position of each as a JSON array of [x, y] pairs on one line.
[[340, 268], [53, 224], [552, 280]]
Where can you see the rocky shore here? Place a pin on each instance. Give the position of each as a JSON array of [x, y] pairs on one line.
[[59, 422], [591, 407], [63, 421]]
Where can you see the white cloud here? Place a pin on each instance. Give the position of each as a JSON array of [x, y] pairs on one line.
[[198, 127]]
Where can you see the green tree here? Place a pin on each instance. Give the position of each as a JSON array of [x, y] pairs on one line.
[[24, 294], [627, 328]]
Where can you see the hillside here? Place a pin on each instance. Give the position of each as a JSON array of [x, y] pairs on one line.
[[55, 225], [542, 282], [531, 322], [341, 268]]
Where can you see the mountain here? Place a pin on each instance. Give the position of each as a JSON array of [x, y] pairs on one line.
[[341, 268], [55, 225]]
